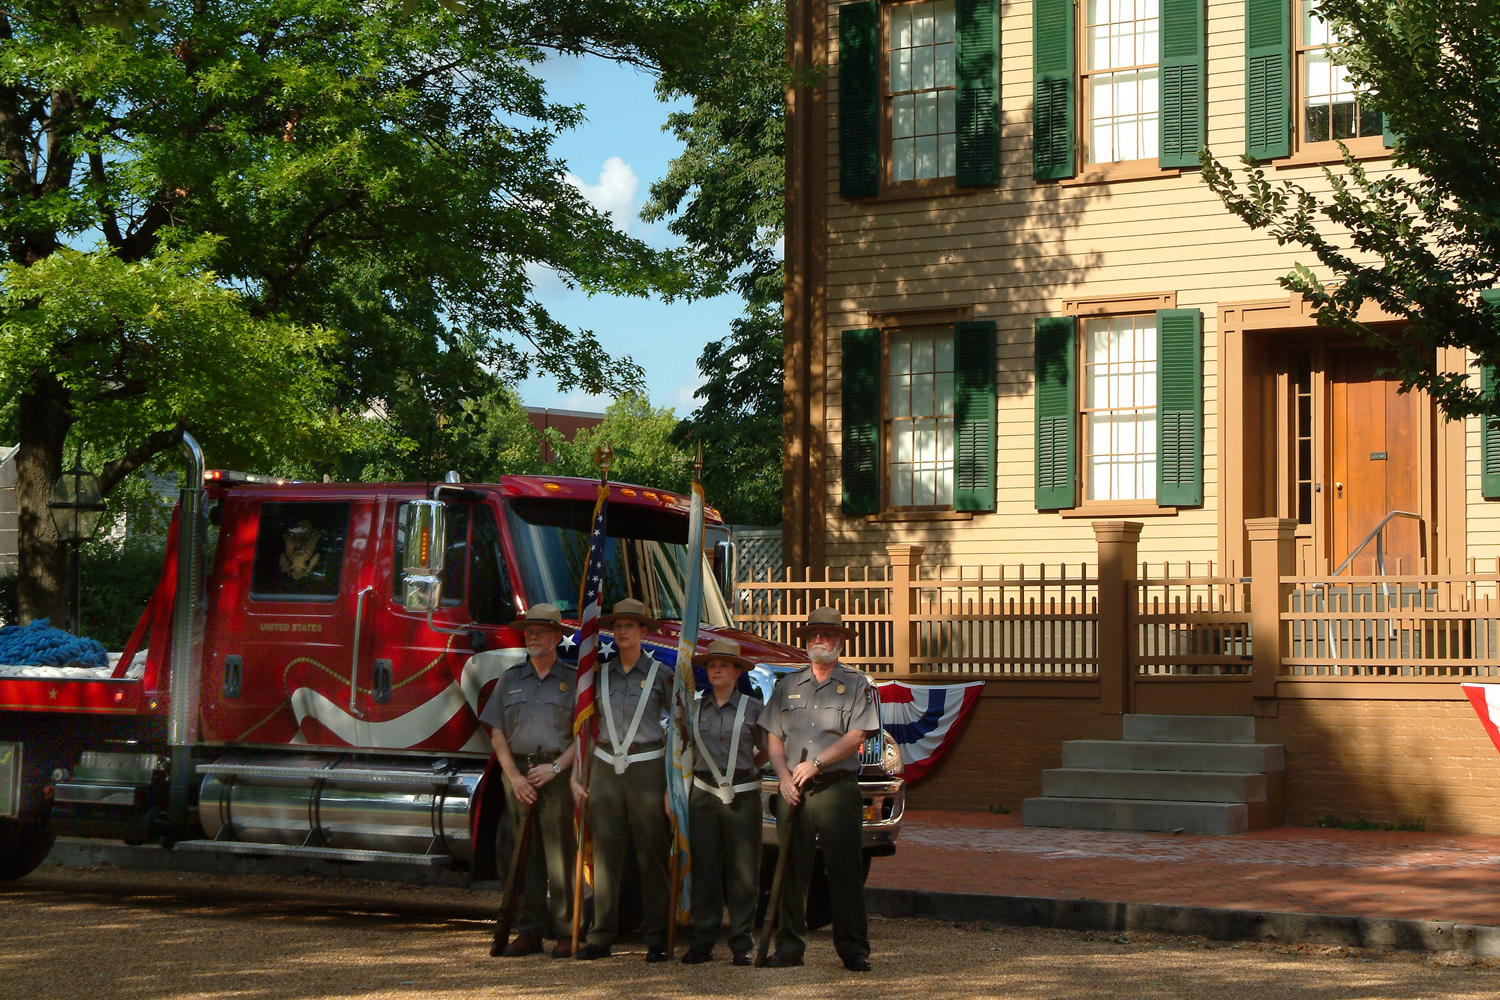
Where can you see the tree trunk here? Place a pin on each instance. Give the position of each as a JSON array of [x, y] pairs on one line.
[[44, 419]]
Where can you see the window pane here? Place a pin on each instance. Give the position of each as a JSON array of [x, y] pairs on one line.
[[900, 70], [926, 112], [926, 155], [948, 154], [944, 21], [944, 350], [921, 24], [921, 68], [921, 394], [901, 27], [903, 116], [900, 395], [943, 393], [901, 486], [945, 58], [924, 492], [902, 151], [921, 353]]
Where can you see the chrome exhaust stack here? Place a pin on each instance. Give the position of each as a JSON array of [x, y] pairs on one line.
[[187, 636]]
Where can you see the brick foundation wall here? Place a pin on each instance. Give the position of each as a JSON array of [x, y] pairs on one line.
[[1387, 761], [1378, 760], [1006, 745]]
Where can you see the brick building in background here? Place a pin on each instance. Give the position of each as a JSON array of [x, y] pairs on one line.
[[567, 422]]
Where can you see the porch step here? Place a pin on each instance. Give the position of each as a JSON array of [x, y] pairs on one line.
[[1145, 755], [1145, 815], [1195, 774], [1190, 728], [1169, 786]]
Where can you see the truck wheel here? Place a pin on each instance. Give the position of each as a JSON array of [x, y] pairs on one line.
[[24, 844]]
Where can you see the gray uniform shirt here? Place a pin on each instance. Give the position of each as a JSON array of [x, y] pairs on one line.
[[534, 713], [716, 727], [625, 694], [812, 716]]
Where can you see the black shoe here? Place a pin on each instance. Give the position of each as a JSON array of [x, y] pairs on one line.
[[741, 958], [782, 960], [857, 963], [524, 944], [656, 953], [696, 956], [589, 952]]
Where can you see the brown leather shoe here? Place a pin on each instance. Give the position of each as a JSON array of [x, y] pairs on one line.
[[782, 960], [563, 948], [523, 944]]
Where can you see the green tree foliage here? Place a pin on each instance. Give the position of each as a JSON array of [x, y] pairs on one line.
[[1421, 245], [646, 451], [381, 171], [725, 196]]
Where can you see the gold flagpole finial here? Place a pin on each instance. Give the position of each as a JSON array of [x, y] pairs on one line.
[[604, 455], [698, 463]]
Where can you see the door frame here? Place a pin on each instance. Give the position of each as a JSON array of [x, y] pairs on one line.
[[1251, 420]]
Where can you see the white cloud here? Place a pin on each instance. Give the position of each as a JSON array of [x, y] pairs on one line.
[[615, 192]]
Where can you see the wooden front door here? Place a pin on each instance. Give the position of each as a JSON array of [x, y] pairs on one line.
[[1377, 462]]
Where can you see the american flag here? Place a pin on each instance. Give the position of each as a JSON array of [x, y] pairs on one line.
[[588, 621]]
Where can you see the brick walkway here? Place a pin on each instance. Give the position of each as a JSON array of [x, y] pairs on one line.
[[1291, 869]]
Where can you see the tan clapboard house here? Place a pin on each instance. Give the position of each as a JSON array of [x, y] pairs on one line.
[[1015, 311]]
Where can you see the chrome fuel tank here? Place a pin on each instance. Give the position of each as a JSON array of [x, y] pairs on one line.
[[311, 801]]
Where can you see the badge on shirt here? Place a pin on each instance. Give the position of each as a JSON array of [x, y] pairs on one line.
[[562, 686], [794, 696], [643, 685], [841, 689]]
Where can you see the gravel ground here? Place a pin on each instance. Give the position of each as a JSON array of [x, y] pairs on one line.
[[108, 933]]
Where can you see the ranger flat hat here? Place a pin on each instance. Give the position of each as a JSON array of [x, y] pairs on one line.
[[544, 616], [823, 619], [631, 610], [724, 649]]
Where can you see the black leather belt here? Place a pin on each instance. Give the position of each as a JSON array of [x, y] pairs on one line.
[[540, 757], [740, 776], [832, 777]]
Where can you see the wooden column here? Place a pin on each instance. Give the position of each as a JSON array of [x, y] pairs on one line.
[[1117, 542], [906, 585], [1273, 552]]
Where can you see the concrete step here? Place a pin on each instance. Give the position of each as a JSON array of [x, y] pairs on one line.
[[1175, 786], [1143, 755], [1190, 728], [1209, 818]]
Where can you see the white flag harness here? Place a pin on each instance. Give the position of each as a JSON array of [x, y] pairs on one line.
[[721, 787], [620, 758]]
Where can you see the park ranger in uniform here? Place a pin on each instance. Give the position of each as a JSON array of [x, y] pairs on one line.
[[628, 783], [724, 818], [530, 718], [816, 721]]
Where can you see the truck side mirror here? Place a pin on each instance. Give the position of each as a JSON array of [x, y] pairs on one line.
[[422, 564], [725, 570]]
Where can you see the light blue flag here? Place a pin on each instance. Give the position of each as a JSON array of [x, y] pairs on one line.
[[680, 761]]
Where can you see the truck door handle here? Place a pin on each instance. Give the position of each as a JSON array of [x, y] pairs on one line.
[[380, 683], [234, 674], [359, 620]]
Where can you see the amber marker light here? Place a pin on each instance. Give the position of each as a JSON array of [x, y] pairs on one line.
[[425, 548], [551, 486]]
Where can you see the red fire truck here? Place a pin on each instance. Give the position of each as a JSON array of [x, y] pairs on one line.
[[315, 693]]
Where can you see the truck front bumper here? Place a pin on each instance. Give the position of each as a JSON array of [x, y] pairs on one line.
[[885, 805]]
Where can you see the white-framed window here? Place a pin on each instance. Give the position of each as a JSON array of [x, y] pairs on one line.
[[1121, 80], [921, 74], [1329, 109], [1119, 407], [919, 417]]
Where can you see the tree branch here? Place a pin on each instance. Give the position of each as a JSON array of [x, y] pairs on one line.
[[139, 456]]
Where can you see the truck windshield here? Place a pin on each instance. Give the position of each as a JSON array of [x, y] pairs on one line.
[[645, 557]]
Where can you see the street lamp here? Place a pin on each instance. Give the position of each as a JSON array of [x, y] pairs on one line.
[[76, 507]]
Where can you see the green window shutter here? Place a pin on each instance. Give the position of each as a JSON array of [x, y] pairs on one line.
[[1268, 79], [1054, 91], [1179, 408], [1183, 114], [974, 415], [978, 93], [861, 416], [859, 99], [1489, 434], [1056, 413]]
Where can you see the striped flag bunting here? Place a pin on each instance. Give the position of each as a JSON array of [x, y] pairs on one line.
[[1486, 701], [925, 719]]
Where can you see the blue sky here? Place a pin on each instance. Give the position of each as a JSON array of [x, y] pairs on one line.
[[614, 157]]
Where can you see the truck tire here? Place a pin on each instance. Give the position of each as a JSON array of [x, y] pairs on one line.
[[24, 844]]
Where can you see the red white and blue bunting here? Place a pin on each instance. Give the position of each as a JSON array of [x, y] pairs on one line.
[[925, 719], [1486, 701]]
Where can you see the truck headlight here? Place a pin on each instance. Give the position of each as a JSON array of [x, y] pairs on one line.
[[890, 754]]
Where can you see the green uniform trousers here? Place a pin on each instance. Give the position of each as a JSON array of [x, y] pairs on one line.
[[547, 893], [830, 817], [623, 807], [725, 841]]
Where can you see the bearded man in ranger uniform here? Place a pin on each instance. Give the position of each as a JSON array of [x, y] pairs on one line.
[[820, 716]]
